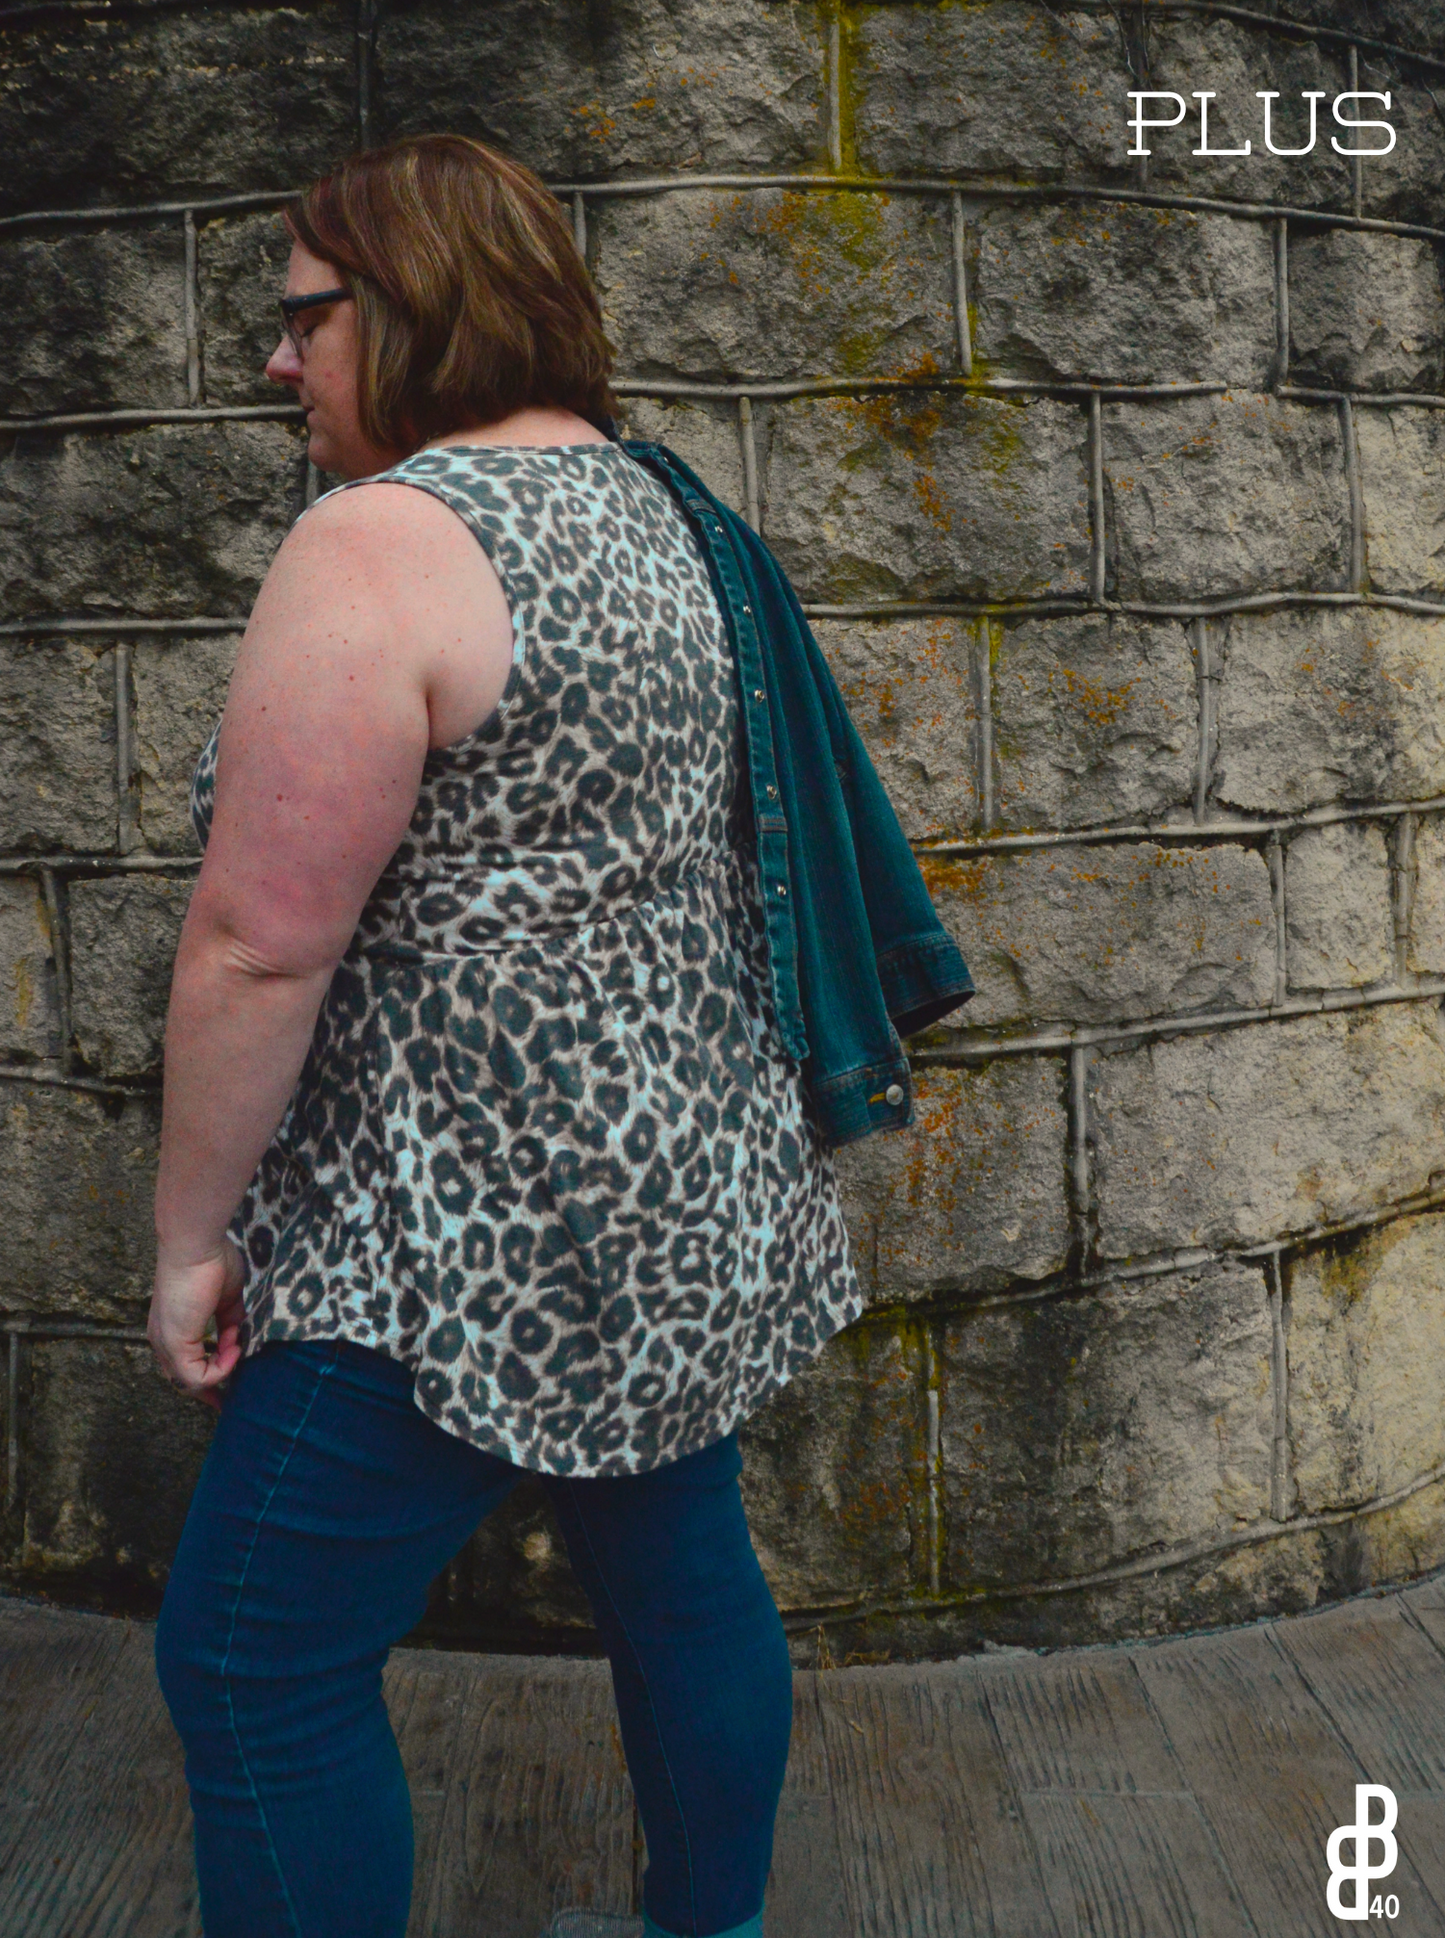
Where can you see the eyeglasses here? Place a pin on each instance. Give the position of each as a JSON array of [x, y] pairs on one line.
[[291, 307]]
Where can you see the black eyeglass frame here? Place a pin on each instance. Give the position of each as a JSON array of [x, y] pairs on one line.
[[291, 307]]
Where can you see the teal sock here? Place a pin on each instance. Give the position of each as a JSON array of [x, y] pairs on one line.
[[752, 1929]]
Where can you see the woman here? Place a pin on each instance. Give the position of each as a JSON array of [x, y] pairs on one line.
[[480, 1152]]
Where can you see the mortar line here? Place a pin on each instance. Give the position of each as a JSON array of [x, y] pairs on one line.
[[934, 1456], [983, 714], [835, 87], [94, 863], [126, 833], [1281, 302], [960, 284], [192, 313], [986, 189], [579, 222], [1082, 607], [38, 1075], [1277, 890], [45, 627], [748, 443], [1097, 560], [1402, 892], [140, 416], [1357, 165], [1357, 500], [1205, 678], [25, 1327], [1182, 833], [60, 951], [1144, 1029], [1279, 1392]]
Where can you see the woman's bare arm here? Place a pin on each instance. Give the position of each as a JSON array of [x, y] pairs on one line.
[[380, 631]]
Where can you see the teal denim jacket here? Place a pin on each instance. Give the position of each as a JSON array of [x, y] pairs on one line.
[[858, 954]]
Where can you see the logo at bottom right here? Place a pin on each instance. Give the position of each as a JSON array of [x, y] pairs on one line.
[[1363, 1835]]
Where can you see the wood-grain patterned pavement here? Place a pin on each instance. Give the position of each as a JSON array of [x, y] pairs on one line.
[[1176, 1789]]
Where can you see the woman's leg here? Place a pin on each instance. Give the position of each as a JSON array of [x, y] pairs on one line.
[[326, 1507], [701, 1672]]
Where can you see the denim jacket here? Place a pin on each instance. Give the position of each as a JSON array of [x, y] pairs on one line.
[[857, 952]]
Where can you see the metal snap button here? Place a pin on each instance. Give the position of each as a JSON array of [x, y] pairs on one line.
[[893, 1094], [772, 793], [782, 890], [758, 693]]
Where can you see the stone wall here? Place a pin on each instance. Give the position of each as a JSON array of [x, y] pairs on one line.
[[1116, 493]]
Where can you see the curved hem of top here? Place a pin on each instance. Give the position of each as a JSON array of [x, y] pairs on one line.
[[365, 1336]]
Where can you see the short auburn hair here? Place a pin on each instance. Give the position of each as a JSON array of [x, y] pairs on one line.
[[472, 298]]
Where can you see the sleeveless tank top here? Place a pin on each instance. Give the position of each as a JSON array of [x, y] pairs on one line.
[[546, 1148]]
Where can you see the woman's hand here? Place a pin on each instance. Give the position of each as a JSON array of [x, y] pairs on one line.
[[185, 1300]]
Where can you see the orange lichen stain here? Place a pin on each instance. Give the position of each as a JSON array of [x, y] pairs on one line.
[[949, 875], [1100, 705], [600, 126]]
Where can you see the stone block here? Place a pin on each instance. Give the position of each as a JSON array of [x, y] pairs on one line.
[[123, 936], [57, 744], [1366, 1371], [971, 1196], [592, 92], [181, 519], [1426, 955], [1078, 1432], [1339, 926], [833, 1467], [1221, 495], [705, 436], [1094, 720], [908, 688], [1419, 24], [77, 1177], [93, 319], [1135, 295], [109, 1458], [512, 1585], [1253, 1133], [1402, 478], [1405, 184], [777, 283], [29, 1013], [1365, 311], [1093, 935], [1003, 89], [210, 102], [180, 694], [1234, 60], [241, 270], [1322, 705], [929, 496]]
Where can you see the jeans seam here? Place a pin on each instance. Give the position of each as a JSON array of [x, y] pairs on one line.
[[647, 1687], [230, 1643]]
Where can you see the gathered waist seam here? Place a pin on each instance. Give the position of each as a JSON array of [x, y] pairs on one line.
[[716, 865]]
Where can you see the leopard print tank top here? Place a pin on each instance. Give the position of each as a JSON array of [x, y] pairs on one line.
[[547, 1149]]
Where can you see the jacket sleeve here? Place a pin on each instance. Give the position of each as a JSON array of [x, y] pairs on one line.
[[920, 967]]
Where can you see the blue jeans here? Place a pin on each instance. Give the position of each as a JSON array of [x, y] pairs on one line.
[[326, 1506]]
